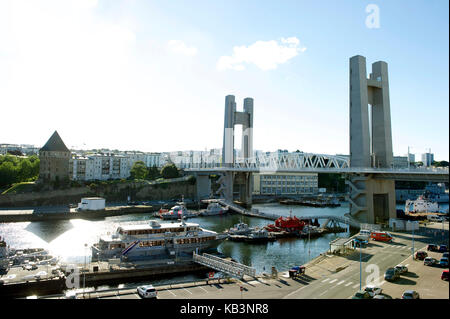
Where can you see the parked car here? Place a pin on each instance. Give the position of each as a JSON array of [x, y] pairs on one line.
[[402, 269], [443, 262], [381, 297], [147, 291], [410, 294], [421, 255], [443, 248], [444, 275], [429, 261], [373, 290], [432, 247], [71, 294], [391, 274], [361, 294], [445, 254]]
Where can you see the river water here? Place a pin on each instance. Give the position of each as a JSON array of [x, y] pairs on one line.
[[69, 239]]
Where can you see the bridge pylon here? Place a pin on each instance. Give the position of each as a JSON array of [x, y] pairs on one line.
[[370, 142], [244, 179]]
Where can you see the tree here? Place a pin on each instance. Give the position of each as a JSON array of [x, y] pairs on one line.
[[170, 171], [153, 173], [139, 170]]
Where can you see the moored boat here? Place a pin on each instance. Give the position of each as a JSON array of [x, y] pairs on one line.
[[214, 209], [421, 205], [156, 241]]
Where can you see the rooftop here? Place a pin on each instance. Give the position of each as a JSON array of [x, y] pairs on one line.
[[55, 143]]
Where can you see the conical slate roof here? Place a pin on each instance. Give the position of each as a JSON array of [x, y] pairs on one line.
[[55, 143]]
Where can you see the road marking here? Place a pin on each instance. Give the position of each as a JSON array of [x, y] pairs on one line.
[[326, 280], [294, 292], [187, 291], [354, 286], [322, 293], [171, 292], [340, 282], [332, 281], [203, 289], [348, 284], [406, 265]]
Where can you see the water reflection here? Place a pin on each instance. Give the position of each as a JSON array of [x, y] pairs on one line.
[[49, 230]]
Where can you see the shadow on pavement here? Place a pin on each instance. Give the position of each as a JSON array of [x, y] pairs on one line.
[[284, 282], [410, 275], [218, 286], [404, 281]]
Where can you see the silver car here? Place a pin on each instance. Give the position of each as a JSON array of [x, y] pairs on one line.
[[147, 291], [373, 290], [402, 269]]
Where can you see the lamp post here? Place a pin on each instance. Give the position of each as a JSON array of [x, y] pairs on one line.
[[84, 271], [413, 224], [360, 265]]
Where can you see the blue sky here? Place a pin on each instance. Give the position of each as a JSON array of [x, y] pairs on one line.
[[153, 75]]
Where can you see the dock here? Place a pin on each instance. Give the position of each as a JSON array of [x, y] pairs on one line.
[[62, 213]]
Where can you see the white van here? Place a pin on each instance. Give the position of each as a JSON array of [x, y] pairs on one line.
[[434, 218]]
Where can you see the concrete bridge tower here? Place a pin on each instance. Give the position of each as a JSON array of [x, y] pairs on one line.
[[370, 142], [232, 118]]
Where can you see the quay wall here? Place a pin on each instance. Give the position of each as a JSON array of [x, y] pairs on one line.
[[43, 216], [41, 287], [110, 191], [127, 275]]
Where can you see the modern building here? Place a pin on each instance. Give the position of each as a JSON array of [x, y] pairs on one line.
[[21, 148], [400, 161], [54, 160], [285, 183], [427, 159], [411, 158], [98, 167]]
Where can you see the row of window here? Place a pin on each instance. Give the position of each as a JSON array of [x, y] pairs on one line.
[[156, 231], [288, 183], [284, 177], [284, 190]]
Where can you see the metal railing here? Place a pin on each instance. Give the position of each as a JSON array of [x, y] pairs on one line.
[[229, 267]]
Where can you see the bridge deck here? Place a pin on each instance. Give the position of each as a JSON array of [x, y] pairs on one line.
[[259, 214]]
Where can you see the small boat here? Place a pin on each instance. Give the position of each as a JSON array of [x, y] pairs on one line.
[[4, 253], [240, 229], [214, 209], [257, 235], [260, 235], [178, 211], [421, 205], [310, 231]]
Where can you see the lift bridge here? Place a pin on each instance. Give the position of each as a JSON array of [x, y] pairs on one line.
[[334, 220], [226, 266]]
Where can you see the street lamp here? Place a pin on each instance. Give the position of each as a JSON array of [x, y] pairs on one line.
[[360, 265], [413, 225], [84, 270], [357, 241]]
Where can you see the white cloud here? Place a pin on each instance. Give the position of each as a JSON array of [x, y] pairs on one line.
[[179, 47], [266, 55]]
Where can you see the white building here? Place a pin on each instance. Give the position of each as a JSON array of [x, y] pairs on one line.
[[153, 159], [427, 159], [98, 167], [285, 183]]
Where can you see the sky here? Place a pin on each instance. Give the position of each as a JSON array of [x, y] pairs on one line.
[[153, 75]]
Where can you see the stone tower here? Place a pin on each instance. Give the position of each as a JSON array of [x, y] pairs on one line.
[[54, 160]]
